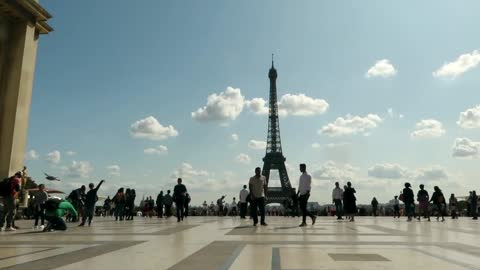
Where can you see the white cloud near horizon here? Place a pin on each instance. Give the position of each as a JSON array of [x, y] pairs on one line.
[[470, 118], [32, 155], [54, 157], [428, 128], [351, 125], [462, 64], [331, 170], [113, 170], [465, 148], [159, 150], [79, 169], [382, 68], [395, 171], [258, 106], [186, 170], [235, 137], [149, 128], [257, 145], [221, 107], [243, 159], [291, 104]]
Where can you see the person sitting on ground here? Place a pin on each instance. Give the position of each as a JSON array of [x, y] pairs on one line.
[[55, 210]]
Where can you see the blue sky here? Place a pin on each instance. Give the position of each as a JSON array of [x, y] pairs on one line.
[[386, 71]]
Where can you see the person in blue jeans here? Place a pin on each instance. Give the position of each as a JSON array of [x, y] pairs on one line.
[[55, 211]]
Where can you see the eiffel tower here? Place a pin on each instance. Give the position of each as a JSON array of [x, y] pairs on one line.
[[274, 159]]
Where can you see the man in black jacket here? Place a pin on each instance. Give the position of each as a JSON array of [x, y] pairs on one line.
[[179, 194]]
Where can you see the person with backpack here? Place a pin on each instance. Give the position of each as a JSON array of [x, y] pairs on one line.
[[439, 201], [55, 210], [41, 197], [90, 200], [423, 203], [9, 191]]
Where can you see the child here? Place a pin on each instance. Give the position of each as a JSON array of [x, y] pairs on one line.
[[41, 197]]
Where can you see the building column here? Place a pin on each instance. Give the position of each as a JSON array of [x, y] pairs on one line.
[[16, 86]]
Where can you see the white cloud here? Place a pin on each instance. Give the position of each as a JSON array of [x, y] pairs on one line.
[[388, 171], [333, 171], [329, 145], [221, 107], [258, 106], [301, 105], [316, 145], [464, 63], [470, 118], [431, 173], [70, 153], [31, 155], [150, 128], [382, 68], [235, 137], [187, 171], [243, 158], [159, 150], [113, 170], [79, 169], [465, 148], [429, 128], [393, 114], [291, 104], [351, 125], [54, 157], [257, 145]]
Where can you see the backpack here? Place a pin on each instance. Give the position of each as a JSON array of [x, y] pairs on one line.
[[5, 187], [401, 198], [52, 204], [440, 199]]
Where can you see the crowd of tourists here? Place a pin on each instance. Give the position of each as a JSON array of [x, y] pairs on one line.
[[80, 204]]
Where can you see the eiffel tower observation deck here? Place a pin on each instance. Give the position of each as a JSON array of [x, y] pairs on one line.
[[274, 158]]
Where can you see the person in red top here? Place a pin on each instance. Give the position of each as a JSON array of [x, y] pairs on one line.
[[9, 202]]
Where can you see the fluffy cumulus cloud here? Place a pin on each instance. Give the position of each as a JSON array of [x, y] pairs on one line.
[[462, 64], [113, 170], [429, 128], [150, 128], [221, 107], [159, 150], [301, 105], [388, 171], [187, 171], [54, 157], [257, 145], [79, 169], [470, 118], [32, 155], [465, 148], [333, 171], [351, 125], [431, 173], [243, 159], [382, 68], [235, 137], [291, 104], [258, 106]]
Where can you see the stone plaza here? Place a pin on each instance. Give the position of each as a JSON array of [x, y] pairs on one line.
[[232, 243]]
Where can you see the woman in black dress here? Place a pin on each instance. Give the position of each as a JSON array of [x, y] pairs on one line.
[[349, 199]]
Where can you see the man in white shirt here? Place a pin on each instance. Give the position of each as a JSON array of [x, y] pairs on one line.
[[243, 201], [258, 189], [337, 197], [304, 187]]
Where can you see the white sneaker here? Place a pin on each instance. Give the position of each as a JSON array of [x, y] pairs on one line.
[[41, 227], [10, 229]]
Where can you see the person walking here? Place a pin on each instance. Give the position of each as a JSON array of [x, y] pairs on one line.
[[258, 189], [374, 204], [220, 203], [439, 201], [452, 205], [337, 197], [168, 201], [409, 201], [474, 205], [243, 202], [349, 202], [41, 197], [10, 190], [159, 203], [396, 207], [119, 200], [179, 196], [188, 199], [234, 206], [304, 189], [90, 201], [423, 202]]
